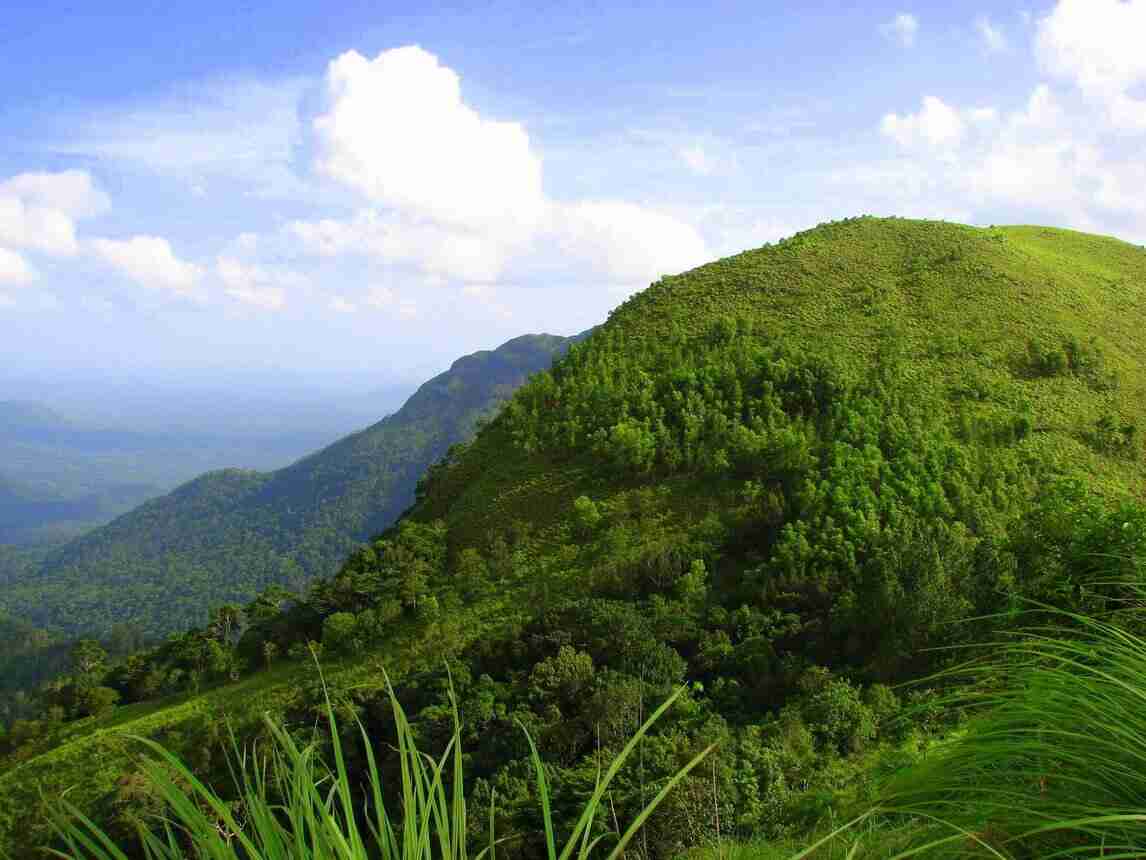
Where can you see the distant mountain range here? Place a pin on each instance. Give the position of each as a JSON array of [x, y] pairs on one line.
[[26, 510], [227, 534], [61, 476]]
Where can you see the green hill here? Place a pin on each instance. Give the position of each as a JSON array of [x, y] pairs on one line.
[[226, 535], [779, 477], [27, 512]]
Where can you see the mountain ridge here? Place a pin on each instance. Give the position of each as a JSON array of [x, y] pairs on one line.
[[182, 550]]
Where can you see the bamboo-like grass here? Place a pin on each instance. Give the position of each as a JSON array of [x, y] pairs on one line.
[[1052, 763], [293, 805]]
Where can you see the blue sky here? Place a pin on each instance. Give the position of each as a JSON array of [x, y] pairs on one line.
[[361, 192]]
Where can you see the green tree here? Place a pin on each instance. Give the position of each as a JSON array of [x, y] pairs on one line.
[[340, 633], [88, 658], [227, 623]]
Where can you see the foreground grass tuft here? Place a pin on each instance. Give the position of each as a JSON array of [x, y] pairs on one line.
[[294, 804], [1053, 764]]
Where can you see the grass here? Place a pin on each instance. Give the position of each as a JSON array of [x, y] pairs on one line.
[[1055, 765], [293, 804], [958, 302], [88, 756], [1052, 764]]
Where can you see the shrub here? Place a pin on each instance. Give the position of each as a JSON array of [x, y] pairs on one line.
[[340, 633]]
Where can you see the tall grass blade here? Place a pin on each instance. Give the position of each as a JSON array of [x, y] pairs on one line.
[[639, 821]]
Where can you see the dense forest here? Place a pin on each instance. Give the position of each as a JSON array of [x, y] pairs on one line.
[[798, 482]]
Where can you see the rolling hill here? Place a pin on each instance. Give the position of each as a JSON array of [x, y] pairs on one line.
[[226, 535], [779, 478], [61, 477]]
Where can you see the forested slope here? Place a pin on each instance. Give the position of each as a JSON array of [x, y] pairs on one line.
[[228, 534]]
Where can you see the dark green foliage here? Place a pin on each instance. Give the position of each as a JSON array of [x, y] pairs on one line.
[[1070, 357], [1112, 436]]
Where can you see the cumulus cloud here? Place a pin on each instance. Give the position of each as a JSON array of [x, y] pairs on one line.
[[1097, 45], [1043, 156], [625, 242], [456, 196], [903, 28], [936, 124], [396, 239], [255, 284], [991, 36], [1056, 158], [697, 160], [385, 298], [70, 191], [150, 262], [38, 211], [397, 130], [14, 269]]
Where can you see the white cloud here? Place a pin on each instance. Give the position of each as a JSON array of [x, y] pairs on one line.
[[1041, 156], [903, 28], [38, 211], [936, 124], [150, 262], [342, 305], [625, 242], [458, 197], [255, 284], [385, 298], [990, 35], [14, 269], [70, 191], [1098, 46], [1052, 160], [239, 129], [697, 160], [733, 229], [395, 239], [396, 130], [35, 227]]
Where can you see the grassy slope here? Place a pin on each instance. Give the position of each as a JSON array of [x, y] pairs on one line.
[[227, 535], [86, 758], [961, 302]]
